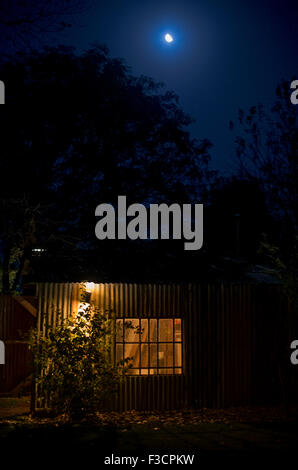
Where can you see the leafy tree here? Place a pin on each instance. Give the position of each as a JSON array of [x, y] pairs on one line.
[[18, 229], [86, 131], [268, 153], [238, 205], [73, 363]]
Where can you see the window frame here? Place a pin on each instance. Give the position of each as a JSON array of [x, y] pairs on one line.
[[175, 370]]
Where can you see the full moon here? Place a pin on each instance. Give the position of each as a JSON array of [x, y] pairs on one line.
[[169, 38]]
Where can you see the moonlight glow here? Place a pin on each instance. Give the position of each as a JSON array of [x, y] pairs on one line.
[[169, 38]]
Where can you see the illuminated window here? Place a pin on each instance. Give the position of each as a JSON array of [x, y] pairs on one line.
[[153, 346]]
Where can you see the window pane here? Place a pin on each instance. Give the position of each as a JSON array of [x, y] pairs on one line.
[[165, 355], [144, 330], [153, 346], [178, 354], [119, 330], [132, 330], [153, 355], [178, 333], [165, 332], [153, 329], [132, 351], [119, 352], [144, 355]]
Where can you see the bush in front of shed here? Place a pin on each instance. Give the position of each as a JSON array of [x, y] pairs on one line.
[[74, 368]]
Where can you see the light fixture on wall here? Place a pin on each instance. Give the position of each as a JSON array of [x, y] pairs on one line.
[[89, 288]]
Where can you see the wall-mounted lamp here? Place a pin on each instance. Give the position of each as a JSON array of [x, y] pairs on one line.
[[89, 286], [88, 289]]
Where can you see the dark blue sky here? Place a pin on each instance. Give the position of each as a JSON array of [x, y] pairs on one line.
[[227, 53]]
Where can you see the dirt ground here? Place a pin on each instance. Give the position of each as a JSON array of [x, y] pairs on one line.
[[14, 406], [239, 437]]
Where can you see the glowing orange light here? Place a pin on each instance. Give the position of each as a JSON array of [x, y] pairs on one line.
[[89, 286]]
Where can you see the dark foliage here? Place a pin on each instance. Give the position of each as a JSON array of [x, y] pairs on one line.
[[85, 131]]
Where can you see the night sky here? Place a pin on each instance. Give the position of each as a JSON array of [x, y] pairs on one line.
[[226, 54]]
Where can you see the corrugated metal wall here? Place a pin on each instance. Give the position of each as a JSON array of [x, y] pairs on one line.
[[220, 344], [219, 337], [15, 321]]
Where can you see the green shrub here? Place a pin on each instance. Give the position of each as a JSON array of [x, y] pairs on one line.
[[74, 367]]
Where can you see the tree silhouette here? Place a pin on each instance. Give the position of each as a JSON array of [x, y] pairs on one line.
[[268, 153], [86, 131]]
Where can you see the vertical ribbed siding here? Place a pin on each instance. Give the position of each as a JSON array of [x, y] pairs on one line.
[[221, 330], [15, 322], [219, 344], [123, 300]]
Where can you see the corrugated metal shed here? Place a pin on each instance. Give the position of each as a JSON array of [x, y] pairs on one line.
[[221, 338]]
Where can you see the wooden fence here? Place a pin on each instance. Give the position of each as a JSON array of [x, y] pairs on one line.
[[227, 329], [17, 316]]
